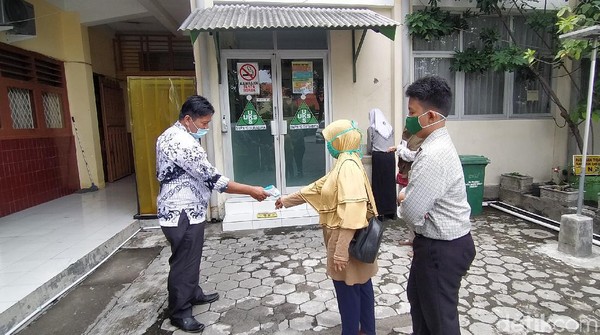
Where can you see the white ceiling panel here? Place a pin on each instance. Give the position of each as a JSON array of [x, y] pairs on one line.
[[93, 12], [129, 15]]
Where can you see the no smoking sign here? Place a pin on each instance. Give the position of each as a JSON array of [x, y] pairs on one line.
[[248, 78]]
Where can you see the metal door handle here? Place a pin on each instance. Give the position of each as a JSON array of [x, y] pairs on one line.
[[284, 128], [274, 128], [224, 125]]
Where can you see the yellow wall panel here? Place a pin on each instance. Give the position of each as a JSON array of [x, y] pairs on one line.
[[102, 51], [155, 103]]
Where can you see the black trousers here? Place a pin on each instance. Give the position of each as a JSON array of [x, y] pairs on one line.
[[435, 275], [383, 182], [187, 242], [357, 307]]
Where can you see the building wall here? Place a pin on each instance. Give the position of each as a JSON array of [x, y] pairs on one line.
[[39, 169], [529, 146], [102, 51], [60, 35], [374, 77], [594, 141], [34, 171], [207, 84], [355, 3]]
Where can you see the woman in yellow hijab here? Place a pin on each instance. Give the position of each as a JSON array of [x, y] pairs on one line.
[[344, 201]]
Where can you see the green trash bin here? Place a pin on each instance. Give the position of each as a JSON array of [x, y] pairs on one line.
[[474, 171]]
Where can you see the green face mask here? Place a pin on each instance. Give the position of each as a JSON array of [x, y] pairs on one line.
[[414, 126], [335, 153]]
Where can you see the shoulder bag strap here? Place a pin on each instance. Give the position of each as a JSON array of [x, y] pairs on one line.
[[370, 195], [371, 206]]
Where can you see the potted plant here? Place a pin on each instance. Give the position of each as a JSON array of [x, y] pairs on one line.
[[562, 193], [515, 181], [559, 177]]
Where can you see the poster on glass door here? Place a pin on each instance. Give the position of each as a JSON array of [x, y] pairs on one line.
[[302, 77], [304, 118], [247, 74], [250, 120]]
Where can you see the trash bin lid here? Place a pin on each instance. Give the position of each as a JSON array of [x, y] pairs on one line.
[[473, 160]]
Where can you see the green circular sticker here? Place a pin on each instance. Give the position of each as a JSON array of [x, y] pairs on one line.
[[304, 116], [250, 117]]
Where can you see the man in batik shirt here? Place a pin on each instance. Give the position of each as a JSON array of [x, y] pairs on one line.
[[187, 179]]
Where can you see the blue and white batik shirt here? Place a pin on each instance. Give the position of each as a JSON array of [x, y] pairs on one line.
[[186, 177]]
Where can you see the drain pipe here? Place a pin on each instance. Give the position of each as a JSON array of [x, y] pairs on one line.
[[534, 218]]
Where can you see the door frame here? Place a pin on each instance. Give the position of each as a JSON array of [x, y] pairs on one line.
[[302, 54], [277, 98], [116, 145]]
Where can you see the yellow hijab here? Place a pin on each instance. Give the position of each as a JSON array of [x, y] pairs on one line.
[[343, 197]]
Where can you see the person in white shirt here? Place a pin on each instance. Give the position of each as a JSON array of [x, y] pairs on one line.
[[186, 180], [406, 151], [436, 208], [411, 234]]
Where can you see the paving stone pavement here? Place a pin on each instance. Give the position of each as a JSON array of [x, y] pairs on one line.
[[274, 282]]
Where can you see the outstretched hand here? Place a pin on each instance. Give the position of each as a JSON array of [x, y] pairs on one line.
[[258, 193], [278, 204], [405, 153]]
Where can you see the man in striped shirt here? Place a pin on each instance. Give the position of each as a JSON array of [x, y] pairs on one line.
[[436, 208]]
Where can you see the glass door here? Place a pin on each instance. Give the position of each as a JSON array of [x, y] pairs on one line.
[[277, 112], [303, 104], [251, 107]]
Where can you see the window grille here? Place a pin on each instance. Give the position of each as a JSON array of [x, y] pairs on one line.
[[140, 53], [21, 109], [33, 87], [52, 110]]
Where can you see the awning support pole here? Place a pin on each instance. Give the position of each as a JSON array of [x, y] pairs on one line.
[[356, 52], [218, 54]]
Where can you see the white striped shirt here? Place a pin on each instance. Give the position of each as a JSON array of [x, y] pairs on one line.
[[436, 199]]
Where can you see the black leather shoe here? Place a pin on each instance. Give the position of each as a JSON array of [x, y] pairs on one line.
[[208, 298], [188, 324]]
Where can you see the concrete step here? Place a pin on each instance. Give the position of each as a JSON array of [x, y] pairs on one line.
[[244, 213], [50, 291], [238, 205]]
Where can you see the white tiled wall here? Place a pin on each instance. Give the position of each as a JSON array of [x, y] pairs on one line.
[[242, 214]]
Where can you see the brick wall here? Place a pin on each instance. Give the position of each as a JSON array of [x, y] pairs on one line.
[[36, 170]]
